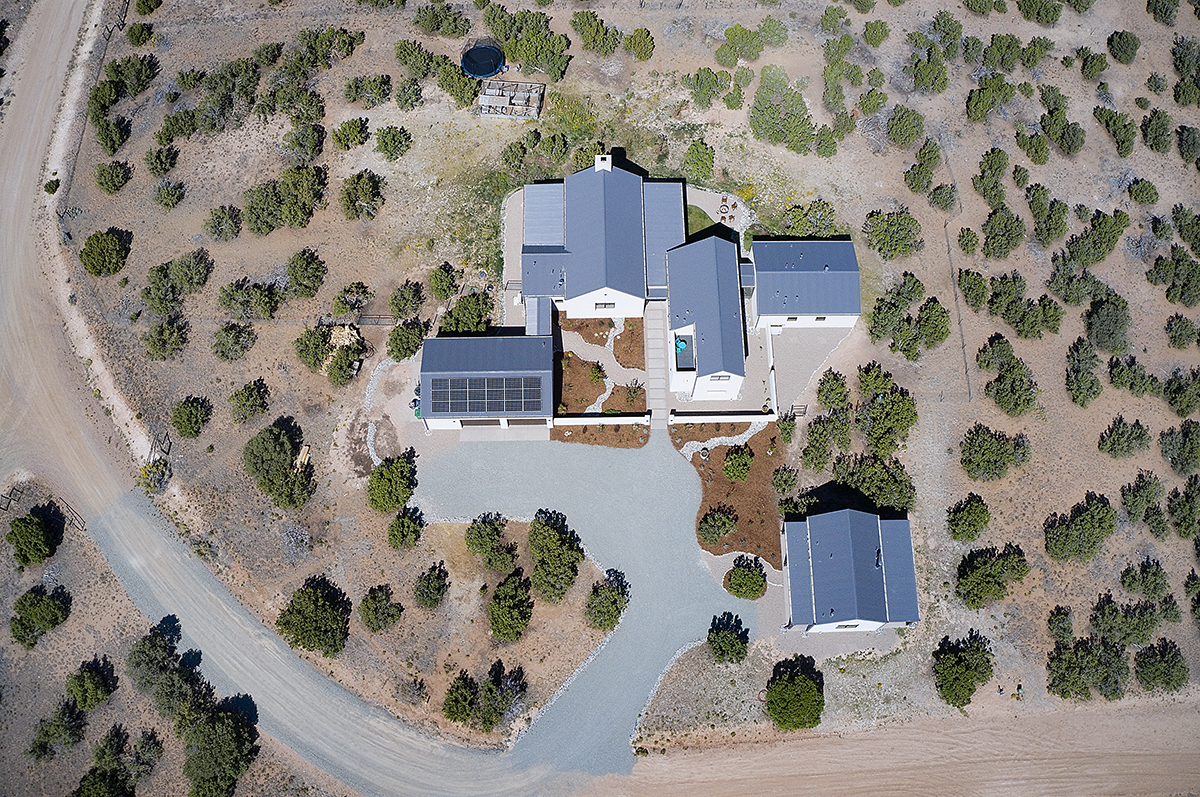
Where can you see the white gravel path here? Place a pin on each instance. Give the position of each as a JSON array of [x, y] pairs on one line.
[[692, 447]]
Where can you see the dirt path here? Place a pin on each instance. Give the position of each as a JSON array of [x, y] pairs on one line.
[[1093, 749]]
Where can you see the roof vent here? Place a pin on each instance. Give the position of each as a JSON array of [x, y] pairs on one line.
[[826, 266]]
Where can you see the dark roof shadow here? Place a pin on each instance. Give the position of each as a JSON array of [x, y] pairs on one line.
[[834, 497]]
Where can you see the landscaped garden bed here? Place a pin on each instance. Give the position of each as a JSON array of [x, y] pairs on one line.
[[629, 347], [581, 382], [752, 501]]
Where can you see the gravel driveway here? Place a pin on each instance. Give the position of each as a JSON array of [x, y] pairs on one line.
[[634, 510]]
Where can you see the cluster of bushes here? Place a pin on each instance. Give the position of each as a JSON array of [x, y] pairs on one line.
[[986, 454], [909, 335], [218, 741], [779, 114], [883, 480], [1124, 439], [1049, 215], [1180, 273], [495, 701], [361, 195], [1080, 534], [1118, 125], [405, 339], [884, 417], [728, 640], [1141, 500], [1014, 389], [596, 36], [894, 234], [1027, 317], [471, 313], [244, 299], [270, 459], [32, 538], [1081, 381], [449, 75], [993, 92], [528, 40], [989, 183], [1157, 128], [837, 69], [1184, 508], [1181, 331], [1107, 322], [1067, 135], [984, 574], [168, 283], [289, 201], [1077, 666], [443, 19], [919, 176], [960, 666], [1181, 447], [745, 44]]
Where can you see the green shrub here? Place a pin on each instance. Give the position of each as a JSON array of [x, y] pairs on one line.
[[431, 586], [795, 694], [361, 196], [1147, 578], [706, 85], [405, 529], [408, 95], [471, 313], [961, 666], [737, 463], [1080, 534], [405, 339], [779, 114], [317, 617], [112, 177], [146, 7], [391, 483], [1160, 666], [377, 610], [1143, 192], [968, 240], [1036, 146], [528, 40], [968, 518], [510, 608], [1082, 383], [1156, 130], [191, 415], [973, 286], [875, 32], [37, 612], [1049, 215], [596, 36], [608, 601], [1124, 439], [728, 640], [248, 400], [698, 162], [1123, 46], [224, 223], [1003, 231], [989, 183], [139, 33], [984, 573], [747, 578], [1140, 495], [244, 299], [168, 194], [556, 554], [269, 458], [1181, 331], [787, 428], [92, 683], [392, 142], [31, 539], [987, 455], [1163, 11], [289, 201], [133, 73], [1107, 321], [1014, 389], [304, 143], [306, 274], [640, 43], [1181, 447], [892, 235], [1090, 663], [1129, 624], [993, 92], [441, 18], [351, 133], [882, 480], [164, 339], [905, 126]]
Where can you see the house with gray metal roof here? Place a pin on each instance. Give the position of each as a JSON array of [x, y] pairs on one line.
[[487, 381], [849, 571], [803, 283], [704, 314], [596, 243]]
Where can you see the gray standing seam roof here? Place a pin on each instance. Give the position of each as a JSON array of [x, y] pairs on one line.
[[604, 232], [849, 565], [664, 228], [482, 357], [543, 270], [795, 278], [544, 214], [704, 291]]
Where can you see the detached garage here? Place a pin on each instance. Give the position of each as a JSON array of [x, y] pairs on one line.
[[849, 571]]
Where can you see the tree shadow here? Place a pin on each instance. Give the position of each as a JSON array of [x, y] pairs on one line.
[[103, 667], [732, 623], [241, 704], [54, 519], [170, 629], [190, 659], [288, 425], [798, 665], [834, 497]]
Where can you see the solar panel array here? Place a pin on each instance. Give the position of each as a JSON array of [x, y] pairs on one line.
[[496, 395]]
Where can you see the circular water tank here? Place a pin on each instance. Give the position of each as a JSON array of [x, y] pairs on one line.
[[483, 60]]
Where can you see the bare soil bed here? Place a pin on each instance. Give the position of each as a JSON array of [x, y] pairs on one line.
[[623, 401], [753, 500], [629, 347], [699, 432], [593, 330], [602, 434], [578, 389]]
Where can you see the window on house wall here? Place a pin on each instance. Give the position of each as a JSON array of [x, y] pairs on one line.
[[848, 625], [606, 305], [793, 318], [820, 318], [722, 378]]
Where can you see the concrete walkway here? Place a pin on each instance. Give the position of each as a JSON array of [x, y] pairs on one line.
[[655, 331], [634, 510]]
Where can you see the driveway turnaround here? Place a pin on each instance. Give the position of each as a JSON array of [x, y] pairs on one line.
[[634, 510]]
